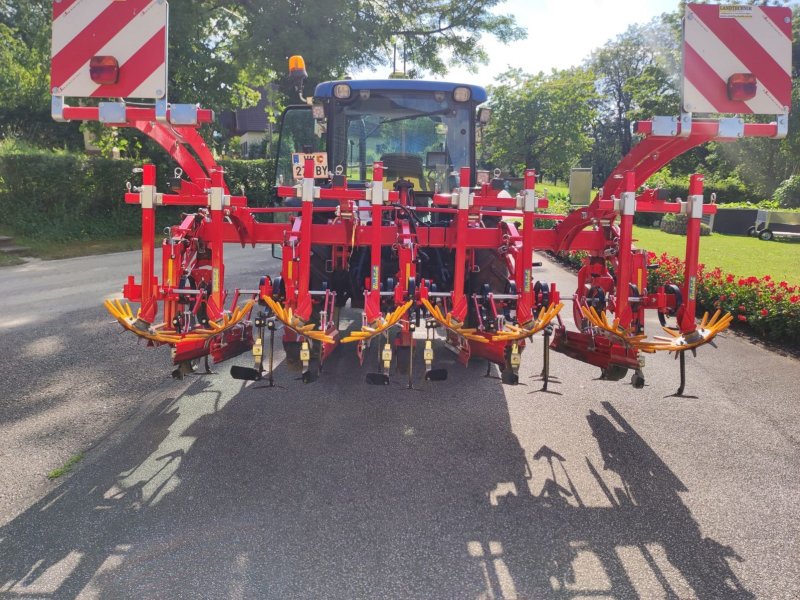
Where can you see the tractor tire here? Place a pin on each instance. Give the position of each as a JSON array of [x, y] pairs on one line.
[[751, 231], [766, 235]]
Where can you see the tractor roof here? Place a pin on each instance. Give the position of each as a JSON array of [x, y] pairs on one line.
[[325, 89]]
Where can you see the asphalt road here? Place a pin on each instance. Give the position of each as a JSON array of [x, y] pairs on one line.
[[209, 488]]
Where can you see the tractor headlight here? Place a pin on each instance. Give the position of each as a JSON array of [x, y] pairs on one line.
[[341, 91], [462, 94]]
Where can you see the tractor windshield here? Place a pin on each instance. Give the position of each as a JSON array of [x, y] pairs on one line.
[[423, 137]]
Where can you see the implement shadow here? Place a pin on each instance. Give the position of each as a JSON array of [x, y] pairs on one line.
[[345, 491], [56, 546]]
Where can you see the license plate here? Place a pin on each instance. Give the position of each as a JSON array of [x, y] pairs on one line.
[[320, 164]]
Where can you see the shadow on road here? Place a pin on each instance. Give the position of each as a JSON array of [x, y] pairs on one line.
[[341, 492]]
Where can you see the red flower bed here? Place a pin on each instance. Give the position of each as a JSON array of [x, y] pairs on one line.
[[766, 308]]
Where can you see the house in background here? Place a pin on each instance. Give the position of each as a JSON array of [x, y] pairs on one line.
[[251, 125]]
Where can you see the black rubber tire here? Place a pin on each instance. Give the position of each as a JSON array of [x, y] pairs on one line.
[[751, 231], [766, 235], [613, 373]]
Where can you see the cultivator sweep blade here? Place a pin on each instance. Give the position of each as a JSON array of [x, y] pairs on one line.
[[159, 334], [296, 324], [379, 326]]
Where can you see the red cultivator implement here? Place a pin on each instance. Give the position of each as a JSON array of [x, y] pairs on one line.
[[405, 230]]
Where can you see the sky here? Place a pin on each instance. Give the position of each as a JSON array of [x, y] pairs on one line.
[[561, 34]]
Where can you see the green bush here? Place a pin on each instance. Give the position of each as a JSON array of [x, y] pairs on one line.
[[558, 204], [255, 177], [788, 193], [677, 223], [62, 196], [727, 189], [766, 308]]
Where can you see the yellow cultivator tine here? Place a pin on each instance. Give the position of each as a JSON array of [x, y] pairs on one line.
[[379, 326], [625, 336], [123, 313], [680, 342], [514, 333], [300, 327], [451, 324]]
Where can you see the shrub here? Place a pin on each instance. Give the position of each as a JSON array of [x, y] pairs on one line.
[[788, 193], [727, 189], [255, 177], [677, 223], [558, 204], [765, 308]]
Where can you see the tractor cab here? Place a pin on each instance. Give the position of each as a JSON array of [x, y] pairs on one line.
[[422, 131]]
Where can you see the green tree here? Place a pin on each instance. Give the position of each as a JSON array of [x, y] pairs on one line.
[[541, 121], [337, 35], [627, 70]]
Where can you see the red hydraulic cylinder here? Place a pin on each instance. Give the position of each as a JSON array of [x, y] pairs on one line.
[[147, 196], [459, 311], [694, 208], [624, 270]]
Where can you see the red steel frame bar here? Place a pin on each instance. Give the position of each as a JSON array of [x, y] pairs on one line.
[[459, 311], [303, 301], [627, 209], [372, 304], [216, 239], [695, 213], [149, 307], [524, 263], [132, 113]]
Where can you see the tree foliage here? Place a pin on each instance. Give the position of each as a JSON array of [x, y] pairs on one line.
[[337, 35], [540, 121], [221, 50]]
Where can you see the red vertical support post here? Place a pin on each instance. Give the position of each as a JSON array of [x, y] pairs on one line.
[[217, 201], [147, 199], [373, 302], [459, 311], [307, 217], [627, 208], [694, 210], [524, 274]]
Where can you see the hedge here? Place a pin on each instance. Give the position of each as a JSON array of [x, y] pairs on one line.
[[788, 193], [678, 223], [63, 196]]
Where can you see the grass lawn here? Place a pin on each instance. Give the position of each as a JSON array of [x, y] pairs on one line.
[[742, 256], [52, 250], [7, 260], [49, 250]]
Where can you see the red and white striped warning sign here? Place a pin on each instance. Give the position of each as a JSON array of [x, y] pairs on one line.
[[748, 44], [134, 32]]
